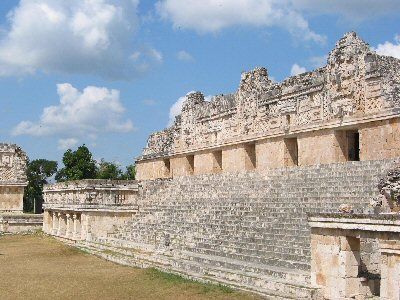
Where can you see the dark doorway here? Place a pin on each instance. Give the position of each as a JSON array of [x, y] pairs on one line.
[[190, 159], [291, 152], [353, 145], [251, 156], [217, 167], [167, 164]]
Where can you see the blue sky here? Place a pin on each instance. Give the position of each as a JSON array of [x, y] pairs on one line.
[[106, 73]]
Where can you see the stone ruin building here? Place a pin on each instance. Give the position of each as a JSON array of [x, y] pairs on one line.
[[273, 188], [13, 180], [344, 111]]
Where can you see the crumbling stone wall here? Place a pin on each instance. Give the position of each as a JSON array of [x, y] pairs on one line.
[[357, 89], [389, 187], [258, 218], [12, 177], [88, 208]]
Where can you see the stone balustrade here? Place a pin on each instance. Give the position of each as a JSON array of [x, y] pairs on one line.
[[336, 256], [91, 192], [81, 209]]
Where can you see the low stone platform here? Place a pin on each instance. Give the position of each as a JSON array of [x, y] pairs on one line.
[[16, 223]]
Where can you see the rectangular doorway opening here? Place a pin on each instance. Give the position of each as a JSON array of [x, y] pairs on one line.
[[291, 152], [167, 167], [190, 160], [251, 160], [217, 164], [353, 145]]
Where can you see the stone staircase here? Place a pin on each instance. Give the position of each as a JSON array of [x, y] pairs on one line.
[[246, 229]]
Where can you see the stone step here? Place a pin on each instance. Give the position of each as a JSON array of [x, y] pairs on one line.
[[267, 285]]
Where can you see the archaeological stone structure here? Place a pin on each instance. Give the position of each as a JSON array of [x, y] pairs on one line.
[[347, 110], [285, 189], [13, 180], [80, 209], [336, 259], [12, 177]]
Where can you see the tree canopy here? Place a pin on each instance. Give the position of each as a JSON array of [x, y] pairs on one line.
[[78, 164], [130, 172], [38, 172], [108, 170]]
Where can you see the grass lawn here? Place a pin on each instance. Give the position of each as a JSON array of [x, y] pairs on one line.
[[39, 267]]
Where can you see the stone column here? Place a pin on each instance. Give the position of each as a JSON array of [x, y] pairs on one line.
[[68, 231], [55, 223], [390, 270], [334, 264], [77, 226], [60, 225], [46, 221]]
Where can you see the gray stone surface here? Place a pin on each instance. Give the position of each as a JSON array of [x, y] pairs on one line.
[[249, 222], [354, 82], [12, 165]]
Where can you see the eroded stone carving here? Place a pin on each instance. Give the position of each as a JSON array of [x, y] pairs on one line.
[[355, 82], [12, 164], [389, 188]]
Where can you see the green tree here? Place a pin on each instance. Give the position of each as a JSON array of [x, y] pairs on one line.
[[130, 172], [108, 170], [78, 165], [38, 172]]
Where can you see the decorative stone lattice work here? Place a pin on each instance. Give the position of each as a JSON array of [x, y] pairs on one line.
[[12, 165], [356, 82], [90, 193], [12, 177]]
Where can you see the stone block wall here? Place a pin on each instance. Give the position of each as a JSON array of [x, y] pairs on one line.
[[377, 140], [12, 177], [17, 223], [156, 168], [87, 209], [380, 139], [321, 147], [250, 223], [182, 166], [305, 120], [11, 198], [270, 154]]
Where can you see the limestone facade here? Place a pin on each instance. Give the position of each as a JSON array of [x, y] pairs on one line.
[[12, 177], [261, 161], [247, 229], [336, 260], [17, 223], [347, 110], [82, 209]]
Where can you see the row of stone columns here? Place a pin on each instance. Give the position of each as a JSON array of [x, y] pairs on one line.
[[66, 224]]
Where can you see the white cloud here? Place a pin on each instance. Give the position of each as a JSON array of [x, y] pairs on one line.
[[155, 54], [184, 56], [149, 102], [75, 36], [389, 48], [354, 10], [64, 144], [215, 15], [80, 114], [318, 61], [296, 70], [176, 108]]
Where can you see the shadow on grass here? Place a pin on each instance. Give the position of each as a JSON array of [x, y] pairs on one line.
[[179, 280]]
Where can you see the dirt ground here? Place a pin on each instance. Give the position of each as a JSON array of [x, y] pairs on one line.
[[39, 267]]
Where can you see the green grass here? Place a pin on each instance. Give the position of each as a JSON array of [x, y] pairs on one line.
[[175, 279], [38, 267]]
